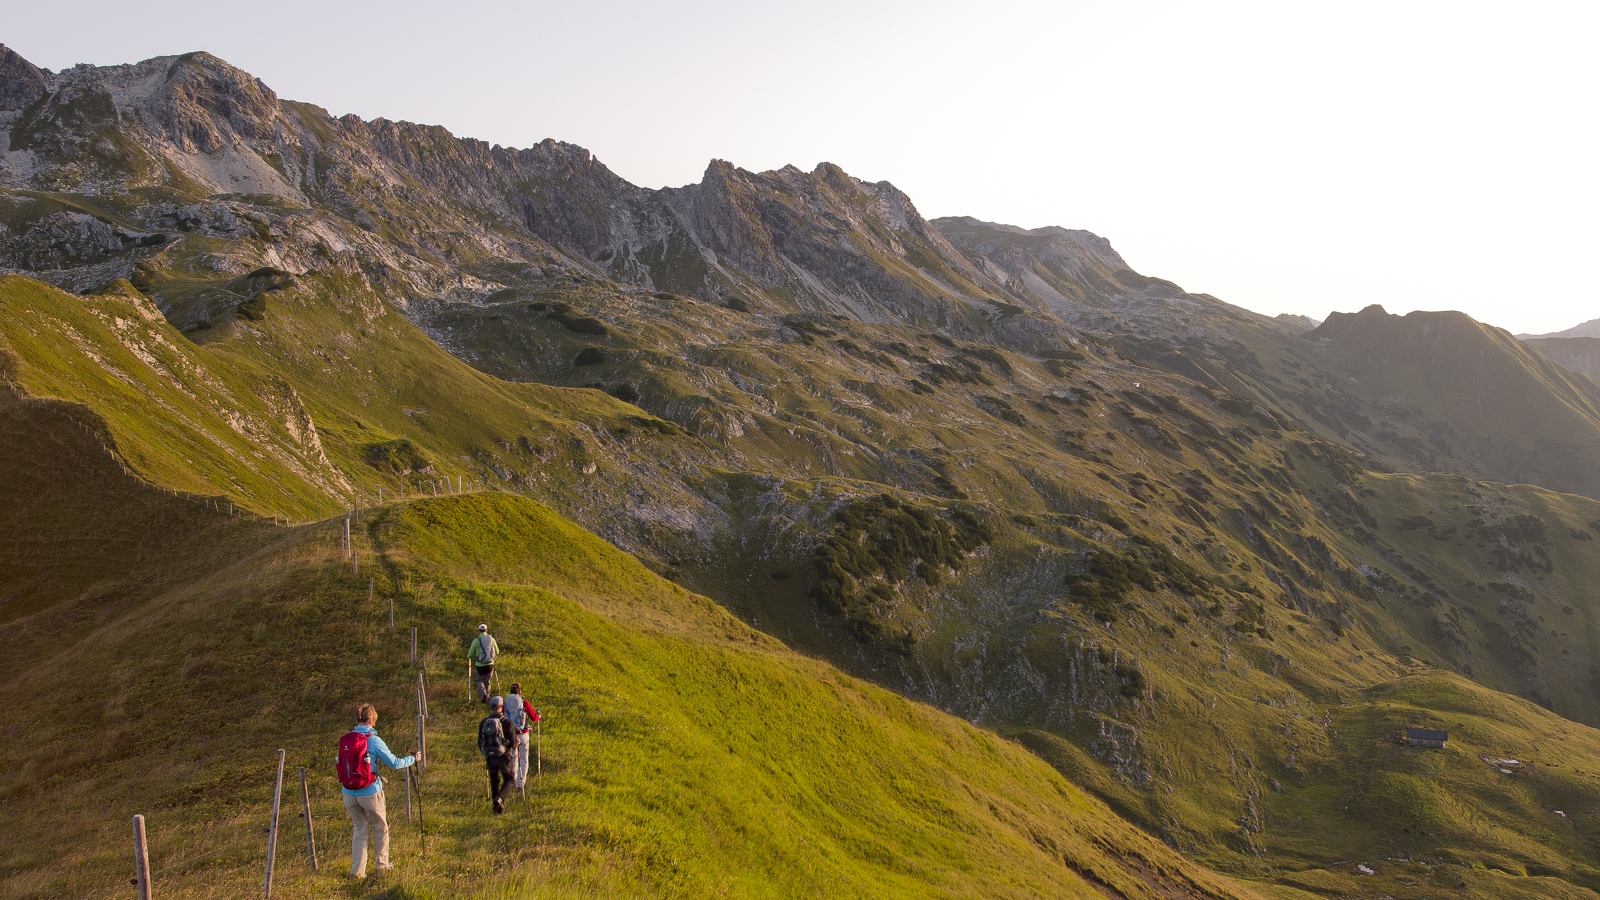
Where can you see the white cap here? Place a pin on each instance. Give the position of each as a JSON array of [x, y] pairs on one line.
[[483, 628], [497, 702]]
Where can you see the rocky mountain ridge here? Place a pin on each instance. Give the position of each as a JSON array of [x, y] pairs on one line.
[[993, 468]]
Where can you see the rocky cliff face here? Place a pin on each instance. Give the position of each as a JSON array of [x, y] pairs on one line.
[[193, 127], [21, 82]]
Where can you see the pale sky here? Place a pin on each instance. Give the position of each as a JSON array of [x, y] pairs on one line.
[[1286, 157]]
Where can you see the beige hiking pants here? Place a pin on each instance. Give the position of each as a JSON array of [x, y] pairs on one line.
[[367, 816]]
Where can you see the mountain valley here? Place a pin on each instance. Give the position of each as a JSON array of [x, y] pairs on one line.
[[1016, 501]]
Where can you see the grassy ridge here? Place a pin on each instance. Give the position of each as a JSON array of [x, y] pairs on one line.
[[686, 754]]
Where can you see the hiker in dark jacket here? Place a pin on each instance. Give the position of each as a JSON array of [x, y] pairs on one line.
[[497, 742], [483, 652]]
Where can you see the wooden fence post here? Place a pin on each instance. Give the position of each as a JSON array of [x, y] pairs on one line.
[[413, 645], [305, 810], [141, 859], [272, 833], [422, 744], [422, 694]]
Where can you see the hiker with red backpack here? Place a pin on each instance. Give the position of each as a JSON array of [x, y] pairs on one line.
[[522, 716], [363, 790], [497, 741]]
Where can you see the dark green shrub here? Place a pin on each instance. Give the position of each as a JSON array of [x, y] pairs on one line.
[[737, 305], [1104, 587], [1133, 680], [879, 542], [143, 278], [395, 456], [807, 329], [589, 356], [625, 392], [254, 309], [991, 356], [585, 325]]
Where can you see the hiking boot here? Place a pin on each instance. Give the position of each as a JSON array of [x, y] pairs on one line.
[[499, 807]]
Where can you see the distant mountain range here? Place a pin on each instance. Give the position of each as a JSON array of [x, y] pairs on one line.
[[1205, 563], [1589, 329]]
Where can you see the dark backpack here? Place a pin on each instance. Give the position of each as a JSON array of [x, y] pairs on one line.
[[492, 737], [355, 770]]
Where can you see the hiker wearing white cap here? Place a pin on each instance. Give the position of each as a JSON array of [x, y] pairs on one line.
[[483, 652]]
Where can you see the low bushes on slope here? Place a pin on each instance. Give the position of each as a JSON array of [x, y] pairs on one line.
[[685, 755]]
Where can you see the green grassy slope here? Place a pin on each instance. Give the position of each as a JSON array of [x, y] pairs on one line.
[[1310, 580], [685, 753]]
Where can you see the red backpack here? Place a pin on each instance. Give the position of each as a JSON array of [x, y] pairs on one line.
[[355, 770]]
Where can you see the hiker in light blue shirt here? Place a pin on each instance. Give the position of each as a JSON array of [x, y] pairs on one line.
[[365, 805]]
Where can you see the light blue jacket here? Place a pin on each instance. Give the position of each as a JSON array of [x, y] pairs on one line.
[[377, 751]]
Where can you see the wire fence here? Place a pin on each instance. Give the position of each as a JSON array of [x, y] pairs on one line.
[[168, 872]]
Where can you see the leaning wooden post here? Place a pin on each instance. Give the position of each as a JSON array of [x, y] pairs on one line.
[[141, 859], [305, 810], [272, 833], [422, 690]]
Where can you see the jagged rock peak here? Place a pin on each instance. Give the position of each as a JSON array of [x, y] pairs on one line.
[[21, 82], [203, 92]]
